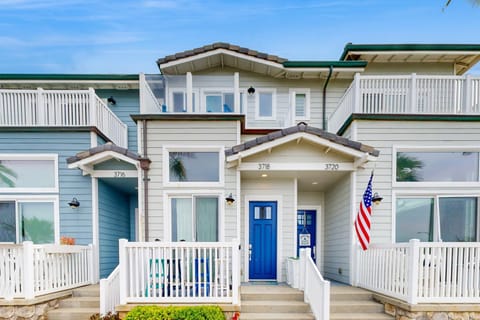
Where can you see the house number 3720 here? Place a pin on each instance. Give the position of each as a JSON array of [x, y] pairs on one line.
[[264, 166]]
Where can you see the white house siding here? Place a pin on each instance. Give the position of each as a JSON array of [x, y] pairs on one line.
[[338, 227], [384, 135], [392, 68], [270, 190], [187, 133]]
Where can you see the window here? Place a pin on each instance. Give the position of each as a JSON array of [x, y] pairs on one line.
[[179, 101], [28, 173], [437, 166], [265, 104], [195, 218], [300, 103], [436, 218], [194, 166], [219, 102], [24, 220]]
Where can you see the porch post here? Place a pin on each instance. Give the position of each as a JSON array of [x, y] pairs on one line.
[[236, 93], [92, 106], [413, 94], [236, 271], [356, 93], [467, 101], [189, 92], [122, 257], [301, 269], [28, 270], [413, 254]]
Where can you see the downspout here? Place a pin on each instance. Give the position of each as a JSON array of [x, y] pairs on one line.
[[324, 102], [145, 167]]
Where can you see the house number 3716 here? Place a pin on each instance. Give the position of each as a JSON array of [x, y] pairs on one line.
[[264, 166]]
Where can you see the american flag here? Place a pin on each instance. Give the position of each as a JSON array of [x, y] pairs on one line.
[[362, 222]]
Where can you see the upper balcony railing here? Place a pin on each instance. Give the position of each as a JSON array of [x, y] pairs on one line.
[[60, 108], [408, 94]]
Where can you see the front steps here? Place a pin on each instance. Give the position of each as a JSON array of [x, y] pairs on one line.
[[273, 302], [84, 303], [351, 303]]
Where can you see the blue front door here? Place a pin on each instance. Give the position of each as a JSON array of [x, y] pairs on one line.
[[263, 240], [306, 230]]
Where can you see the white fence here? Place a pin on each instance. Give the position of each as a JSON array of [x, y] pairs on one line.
[[408, 94], [179, 272], [60, 108], [110, 292], [28, 270], [303, 274], [148, 101], [423, 272]]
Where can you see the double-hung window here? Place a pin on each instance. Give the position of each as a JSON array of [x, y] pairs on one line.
[[266, 104], [219, 102], [178, 101], [300, 103], [435, 195]]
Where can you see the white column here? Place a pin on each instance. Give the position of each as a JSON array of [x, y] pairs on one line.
[[236, 92], [28, 272], [41, 112], [142, 83], [413, 94], [189, 92], [356, 93], [122, 257], [92, 106], [413, 254], [236, 271], [467, 101]]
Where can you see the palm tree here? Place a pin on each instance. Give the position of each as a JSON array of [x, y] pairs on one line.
[[407, 167], [7, 176]]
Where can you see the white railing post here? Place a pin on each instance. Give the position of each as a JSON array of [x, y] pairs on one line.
[[236, 271], [142, 84], [306, 253], [189, 84], [92, 106], [356, 93], [28, 270], [413, 93], [236, 92], [42, 112], [413, 256], [122, 257], [467, 99], [91, 265], [103, 296], [301, 270]]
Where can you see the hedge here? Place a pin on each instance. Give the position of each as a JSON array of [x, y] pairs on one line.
[[176, 313]]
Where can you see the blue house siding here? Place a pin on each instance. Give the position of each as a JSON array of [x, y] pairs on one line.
[[127, 103], [76, 223], [114, 224]]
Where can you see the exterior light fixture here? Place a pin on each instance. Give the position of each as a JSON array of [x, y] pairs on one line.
[[251, 91], [74, 203], [376, 199], [230, 199], [264, 175], [111, 100]]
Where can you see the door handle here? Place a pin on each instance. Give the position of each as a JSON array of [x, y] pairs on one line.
[[250, 252]]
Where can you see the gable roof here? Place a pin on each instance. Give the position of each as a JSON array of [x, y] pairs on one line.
[[464, 56], [302, 127], [223, 54], [94, 155]]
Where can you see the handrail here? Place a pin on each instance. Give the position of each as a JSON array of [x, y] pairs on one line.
[[110, 292], [148, 101]]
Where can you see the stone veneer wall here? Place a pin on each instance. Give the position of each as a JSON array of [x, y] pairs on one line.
[[36, 311], [401, 313]]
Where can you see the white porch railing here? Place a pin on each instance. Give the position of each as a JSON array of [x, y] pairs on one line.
[[303, 274], [28, 270], [422, 272], [148, 101], [179, 272], [408, 94], [110, 292], [60, 108]]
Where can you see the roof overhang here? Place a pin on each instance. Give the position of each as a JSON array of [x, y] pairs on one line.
[[87, 164], [462, 56], [222, 58]]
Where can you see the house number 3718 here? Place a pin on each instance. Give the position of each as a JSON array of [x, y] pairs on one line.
[[264, 166]]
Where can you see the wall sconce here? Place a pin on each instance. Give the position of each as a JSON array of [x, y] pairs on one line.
[[230, 199], [376, 199], [74, 203], [251, 91], [111, 101]]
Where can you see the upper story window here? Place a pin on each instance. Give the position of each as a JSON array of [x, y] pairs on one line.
[[178, 101], [28, 173], [455, 166], [300, 103], [220, 102], [265, 104]]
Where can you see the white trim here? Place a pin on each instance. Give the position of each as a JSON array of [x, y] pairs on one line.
[[115, 173], [273, 92], [93, 139], [294, 166], [195, 99], [292, 92], [88, 163], [295, 209], [95, 230], [167, 217], [33, 156], [271, 198], [353, 261], [217, 91], [185, 184]]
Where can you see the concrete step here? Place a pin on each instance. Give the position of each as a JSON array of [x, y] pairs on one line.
[[355, 306], [360, 316], [277, 306], [349, 293], [263, 293], [88, 291], [276, 316], [80, 302], [72, 313]]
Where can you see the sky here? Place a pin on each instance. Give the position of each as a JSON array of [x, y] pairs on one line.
[[117, 36]]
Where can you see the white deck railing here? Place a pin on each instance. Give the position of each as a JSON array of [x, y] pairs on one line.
[[179, 272], [148, 101], [110, 292], [28, 270], [408, 94], [423, 272], [60, 108]]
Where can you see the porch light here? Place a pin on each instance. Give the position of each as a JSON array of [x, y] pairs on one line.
[[230, 199], [74, 203], [251, 91], [376, 199], [111, 100]]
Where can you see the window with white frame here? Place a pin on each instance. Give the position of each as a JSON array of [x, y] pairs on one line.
[[28, 173], [178, 101], [265, 104], [27, 220], [194, 218], [219, 102], [300, 103]]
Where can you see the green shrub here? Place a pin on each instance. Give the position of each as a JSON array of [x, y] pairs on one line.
[[175, 313]]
